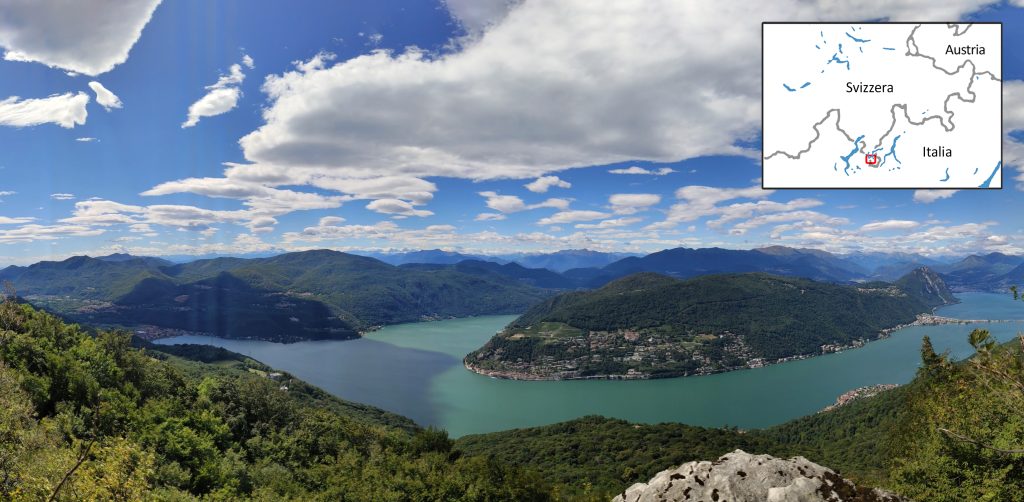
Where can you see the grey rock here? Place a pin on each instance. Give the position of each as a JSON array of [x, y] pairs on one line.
[[740, 477]]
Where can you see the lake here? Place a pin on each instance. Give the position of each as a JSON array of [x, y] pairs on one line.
[[416, 370]]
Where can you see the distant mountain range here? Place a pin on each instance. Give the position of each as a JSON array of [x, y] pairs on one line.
[[312, 294], [990, 272], [558, 261], [649, 325], [329, 294]]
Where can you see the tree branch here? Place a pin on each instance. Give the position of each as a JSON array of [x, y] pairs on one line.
[[81, 460], [966, 439]]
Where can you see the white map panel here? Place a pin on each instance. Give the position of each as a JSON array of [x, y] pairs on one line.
[[882, 105]]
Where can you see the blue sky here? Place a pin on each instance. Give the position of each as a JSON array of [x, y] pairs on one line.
[[482, 126]]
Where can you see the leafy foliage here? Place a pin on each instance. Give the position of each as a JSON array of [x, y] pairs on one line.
[[85, 417]]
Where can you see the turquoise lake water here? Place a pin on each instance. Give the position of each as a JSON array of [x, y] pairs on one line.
[[416, 370]]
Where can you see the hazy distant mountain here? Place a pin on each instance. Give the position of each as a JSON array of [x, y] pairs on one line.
[[434, 256], [128, 257], [560, 261], [686, 262], [990, 272], [311, 294], [889, 266]]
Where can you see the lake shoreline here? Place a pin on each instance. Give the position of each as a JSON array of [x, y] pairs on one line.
[[923, 319]]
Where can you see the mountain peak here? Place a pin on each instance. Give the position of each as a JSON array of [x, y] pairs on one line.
[[927, 285]]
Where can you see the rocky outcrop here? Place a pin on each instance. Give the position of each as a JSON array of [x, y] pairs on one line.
[[740, 477]]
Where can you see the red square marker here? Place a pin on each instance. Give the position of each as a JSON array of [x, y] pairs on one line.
[[871, 159]]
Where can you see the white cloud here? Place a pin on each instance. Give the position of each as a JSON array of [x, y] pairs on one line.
[[565, 87], [701, 201], [572, 216], [104, 97], [331, 221], [744, 210], [34, 232], [542, 184], [248, 62], [396, 207], [613, 223], [415, 111], [803, 218], [82, 36], [489, 217], [929, 196], [513, 204], [62, 196], [66, 110], [7, 220], [546, 87], [222, 97], [880, 226], [631, 203], [86, 140], [639, 170]]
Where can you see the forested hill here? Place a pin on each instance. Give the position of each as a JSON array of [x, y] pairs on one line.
[[93, 418], [649, 325], [952, 434], [294, 296]]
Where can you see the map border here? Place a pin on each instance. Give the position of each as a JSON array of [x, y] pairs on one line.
[[1002, 132]]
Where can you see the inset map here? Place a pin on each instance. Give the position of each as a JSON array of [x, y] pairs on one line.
[[882, 105]]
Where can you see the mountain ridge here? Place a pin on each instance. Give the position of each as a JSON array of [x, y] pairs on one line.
[[649, 325]]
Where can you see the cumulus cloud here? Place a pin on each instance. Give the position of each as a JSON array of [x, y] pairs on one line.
[[396, 207], [104, 97], [566, 87], [542, 184], [81, 36], [612, 223], [34, 232], [802, 219], [222, 96], [698, 201], [66, 110], [639, 170], [929, 196], [513, 204], [572, 216], [630, 203], [489, 217]]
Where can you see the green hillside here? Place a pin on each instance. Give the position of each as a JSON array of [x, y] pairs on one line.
[[955, 433], [294, 296], [84, 418], [649, 325]]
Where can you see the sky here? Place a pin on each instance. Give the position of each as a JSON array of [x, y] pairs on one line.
[[191, 127]]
